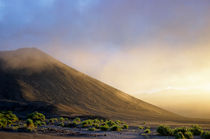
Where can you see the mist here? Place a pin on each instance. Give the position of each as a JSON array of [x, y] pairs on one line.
[[138, 47]]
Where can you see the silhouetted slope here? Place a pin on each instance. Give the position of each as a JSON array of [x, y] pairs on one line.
[[29, 76]]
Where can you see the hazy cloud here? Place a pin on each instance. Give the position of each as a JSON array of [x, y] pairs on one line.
[[133, 45]]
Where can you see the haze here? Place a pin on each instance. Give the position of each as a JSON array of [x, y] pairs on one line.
[[140, 47]]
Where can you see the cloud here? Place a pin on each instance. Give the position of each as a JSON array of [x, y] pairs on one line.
[[134, 46]]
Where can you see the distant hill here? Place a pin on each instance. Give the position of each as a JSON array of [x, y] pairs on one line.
[[190, 103], [32, 80]]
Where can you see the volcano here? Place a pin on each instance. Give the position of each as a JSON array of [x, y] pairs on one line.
[[32, 80]]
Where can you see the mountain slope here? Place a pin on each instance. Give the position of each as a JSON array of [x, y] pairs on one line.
[[31, 80]]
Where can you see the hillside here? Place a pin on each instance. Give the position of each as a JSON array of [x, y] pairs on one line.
[[32, 80]]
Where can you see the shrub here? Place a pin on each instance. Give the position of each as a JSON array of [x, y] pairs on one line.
[[53, 120], [188, 135], [141, 127], [92, 129], [125, 126], [110, 123], [77, 119], [38, 123], [205, 135], [148, 131], [179, 135], [118, 122], [61, 119], [181, 129], [115, 128], [96, 121], [30, 123], [66, 119], [36, 116], [73, 124], [3, 123], [43, 123], [104, 127], [96, 125], [196, 130], [87, 122], [8, 116], [164, 130]]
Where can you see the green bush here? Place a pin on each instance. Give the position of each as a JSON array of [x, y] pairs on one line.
[[125, 126], [30, 123], [110, 123], [36, 116], [115, 128], [179, 135], [205, 135], [188, 135], [77, 119], [96, 125], [141, 127], [43, 123], [73, 124], [8, 116], [96, 121], [148, 131], [3, 123], [53, 120], [38, 123], [92, 129], [165, 130], [61, 119], [87, 122], [181, 129], [104, 127], [118, 122], [196, 130]]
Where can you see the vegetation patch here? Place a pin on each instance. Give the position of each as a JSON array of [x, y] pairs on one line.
[[147, 131], [36, 116], [206, 135], [104, 127], [165, 130], [196, 130], [115, 128]]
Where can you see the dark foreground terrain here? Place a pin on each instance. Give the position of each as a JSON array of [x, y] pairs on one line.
[[37, 126]]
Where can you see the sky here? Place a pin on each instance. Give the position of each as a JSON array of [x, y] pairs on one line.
[[137, 46]]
